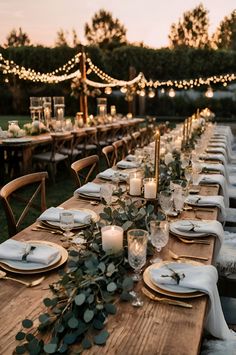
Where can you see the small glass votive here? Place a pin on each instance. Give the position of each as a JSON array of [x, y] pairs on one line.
[[150, 188], [112, 239], [135, 183]]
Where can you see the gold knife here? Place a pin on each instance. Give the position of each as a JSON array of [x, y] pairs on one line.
[[153, 297]]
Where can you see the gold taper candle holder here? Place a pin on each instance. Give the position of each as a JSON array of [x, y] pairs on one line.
[[157, 156]]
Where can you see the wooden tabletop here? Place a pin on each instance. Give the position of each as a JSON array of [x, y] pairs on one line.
[[155, 328]]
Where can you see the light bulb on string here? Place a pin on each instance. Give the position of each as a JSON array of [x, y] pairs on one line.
[[123, 89], [108, 90], [151, 93], [142, 93], [171, 92], [162, 91], [209, 93]]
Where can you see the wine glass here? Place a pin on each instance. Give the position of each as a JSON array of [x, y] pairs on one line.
[[137, 254], [106, 193], [188, 176], [179, 199], [166, 201], [159, 236], [67, 223]]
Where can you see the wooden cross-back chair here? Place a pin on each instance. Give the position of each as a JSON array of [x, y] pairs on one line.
[[83, 169], [9, 190], [119, 147], [53, 156], [109, 154]]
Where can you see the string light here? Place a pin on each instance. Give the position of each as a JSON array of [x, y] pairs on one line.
[[151, 93], [108, 90], [209, 93], [171, 92]]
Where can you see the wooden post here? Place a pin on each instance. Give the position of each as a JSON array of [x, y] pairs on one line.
[[157, 138], [132, 104], [83, 97]]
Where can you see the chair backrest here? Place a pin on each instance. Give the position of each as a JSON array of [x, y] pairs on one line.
[[128, 145], [8, 191], [136, 140], [109, 154], [60, 141], [82, 169], [119, 150]]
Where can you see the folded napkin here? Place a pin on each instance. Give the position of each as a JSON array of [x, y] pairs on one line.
[[200, 200], [204, 279], [130, 157], [109, 174], [52, 214], [217, 150], [14, 250], [214, 167], [90, 189], [219, 157], [216, 179], [207, 227], [124, 164]]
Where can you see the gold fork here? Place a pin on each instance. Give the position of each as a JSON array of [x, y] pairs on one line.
[[153, 297], [177, 257], [191, 241]]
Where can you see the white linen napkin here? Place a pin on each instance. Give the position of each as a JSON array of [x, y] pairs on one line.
[[200, 200], [130, 157], [216, 179], [109, 174], [219, 157], [214, 167], [217, 150], [124, 164], [90, 189], [207, 227], [52, 214], [204, 279], [14, 250]]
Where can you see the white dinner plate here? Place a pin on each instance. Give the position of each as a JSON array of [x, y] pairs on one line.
[[28, 266], [17, 140]]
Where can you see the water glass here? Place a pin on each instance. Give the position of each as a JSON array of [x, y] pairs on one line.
[[159, 236], [166, 201], [137, 250], [67, 223]]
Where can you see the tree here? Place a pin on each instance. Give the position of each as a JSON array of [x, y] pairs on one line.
[[225, 35], [62, 38], [192, 30], [105, 31], [17, 39]]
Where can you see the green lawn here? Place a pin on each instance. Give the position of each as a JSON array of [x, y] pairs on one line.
[[21, 120]]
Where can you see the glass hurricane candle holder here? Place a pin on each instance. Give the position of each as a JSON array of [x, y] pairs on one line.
[[150, 188]]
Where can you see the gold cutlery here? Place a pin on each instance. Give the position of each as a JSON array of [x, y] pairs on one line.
[[54, 230], [34, 283], [177, 257], [44, 229], [153, 297], [191, 241]]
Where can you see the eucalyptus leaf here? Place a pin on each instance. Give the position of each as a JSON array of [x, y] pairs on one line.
[[88, 315], [63, 348], [86, 343], [20, 336], [70, 338], [128, 284], [80, 299], [127, 225], [21, 349], [47, 302], [97, 324], [101, 338], [27, 323], [73, 323], [29, 337], [110, 308], [50, 348], [102, 267], [44, 318], [111, 287]]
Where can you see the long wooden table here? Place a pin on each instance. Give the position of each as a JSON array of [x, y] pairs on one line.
[[155, 328]]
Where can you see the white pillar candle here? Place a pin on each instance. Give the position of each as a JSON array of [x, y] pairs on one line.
[[112, 239], [135, 184], [113, 110], [60, 113], [150, 188]]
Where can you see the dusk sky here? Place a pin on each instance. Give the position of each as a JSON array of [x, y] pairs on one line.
[[145, 20]]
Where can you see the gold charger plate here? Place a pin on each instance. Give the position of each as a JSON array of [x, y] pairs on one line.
[[63, 259], [147, 280]]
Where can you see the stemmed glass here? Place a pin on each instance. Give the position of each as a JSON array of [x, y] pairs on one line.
[[137, 254], [67, 223], [188, 175], [159, 236], [166, 201], [106, 192], [179, 199]]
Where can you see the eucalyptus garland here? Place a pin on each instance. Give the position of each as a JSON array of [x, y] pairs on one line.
[[84, 296]]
